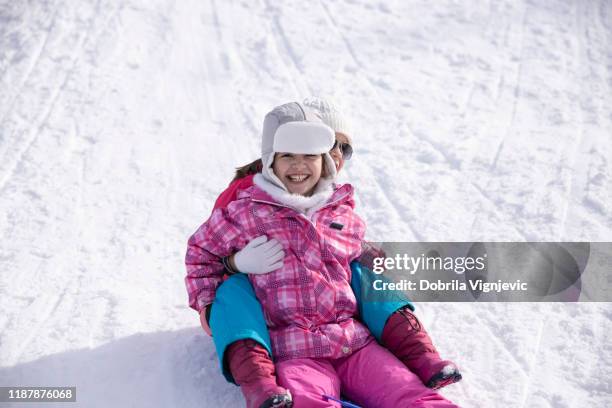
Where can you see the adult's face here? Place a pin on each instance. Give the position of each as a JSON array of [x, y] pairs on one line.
[[336, 152]]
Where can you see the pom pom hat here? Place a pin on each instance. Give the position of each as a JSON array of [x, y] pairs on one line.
[[294, 128], [330, 113]]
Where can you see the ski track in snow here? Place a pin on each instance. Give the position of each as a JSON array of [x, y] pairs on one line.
[[120, 122]]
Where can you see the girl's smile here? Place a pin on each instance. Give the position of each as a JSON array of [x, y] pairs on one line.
[[297, 178]]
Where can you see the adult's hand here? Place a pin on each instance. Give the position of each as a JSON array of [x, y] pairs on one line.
[[259, 256]]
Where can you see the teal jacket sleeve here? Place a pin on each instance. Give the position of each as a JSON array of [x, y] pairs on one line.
[[236, 314], [375, 306]]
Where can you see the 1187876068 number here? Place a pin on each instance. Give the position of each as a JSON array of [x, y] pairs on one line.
[[37, 394]]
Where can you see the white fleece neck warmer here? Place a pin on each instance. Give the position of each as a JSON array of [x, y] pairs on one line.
[[306, 205]]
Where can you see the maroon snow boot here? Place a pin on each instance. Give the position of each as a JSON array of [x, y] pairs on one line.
[[406, 338], [253, 370]]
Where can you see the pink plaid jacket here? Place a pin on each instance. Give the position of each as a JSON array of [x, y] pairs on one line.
[[308, 303]]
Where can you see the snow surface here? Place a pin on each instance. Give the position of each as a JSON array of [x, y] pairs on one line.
[[121, 121]]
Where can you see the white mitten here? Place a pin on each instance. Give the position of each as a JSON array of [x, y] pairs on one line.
[[260, 256]]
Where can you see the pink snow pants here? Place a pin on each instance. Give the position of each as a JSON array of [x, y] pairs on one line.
[[371, 377]]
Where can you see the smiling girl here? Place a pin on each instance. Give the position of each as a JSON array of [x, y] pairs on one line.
[[311, 235]]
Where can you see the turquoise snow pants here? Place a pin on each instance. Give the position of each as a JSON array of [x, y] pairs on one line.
[[236, 314]]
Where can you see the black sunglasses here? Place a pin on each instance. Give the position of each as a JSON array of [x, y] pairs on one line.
[[345, 148]]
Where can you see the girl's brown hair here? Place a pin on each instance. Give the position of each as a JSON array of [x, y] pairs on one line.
[[253, 167], [324, 171]]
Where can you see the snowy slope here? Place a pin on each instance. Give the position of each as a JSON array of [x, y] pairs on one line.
[[121, 121]]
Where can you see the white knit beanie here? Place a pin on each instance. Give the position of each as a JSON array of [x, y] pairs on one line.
[[331, 114]]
